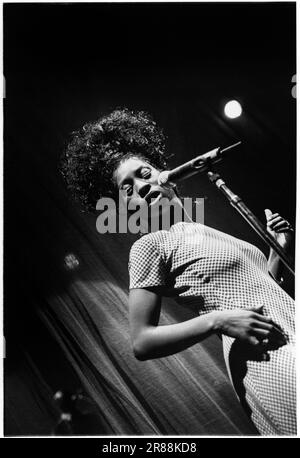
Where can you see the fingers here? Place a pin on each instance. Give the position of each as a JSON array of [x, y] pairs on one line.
[[253, 341], [275, 222], [263, 341], [259, 318], [263, 324], [262, 319], [278, 223], [285, 229], [258, 314], [266, 323], [274, 334], [263, 327], [268, 213], [261, 333]]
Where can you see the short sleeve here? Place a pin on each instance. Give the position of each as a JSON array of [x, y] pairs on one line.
[[146, 265]]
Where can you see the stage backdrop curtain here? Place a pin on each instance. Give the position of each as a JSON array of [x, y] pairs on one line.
[[29, 408]]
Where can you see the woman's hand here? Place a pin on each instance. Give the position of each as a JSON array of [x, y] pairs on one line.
[[279, 228], [282, 232], [249, 326]]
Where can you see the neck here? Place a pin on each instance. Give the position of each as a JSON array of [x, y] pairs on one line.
[[176, 213]]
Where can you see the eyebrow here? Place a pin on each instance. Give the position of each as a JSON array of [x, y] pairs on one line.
[[127, 180]]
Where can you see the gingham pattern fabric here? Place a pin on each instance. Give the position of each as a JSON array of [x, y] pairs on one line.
[[211, 270]]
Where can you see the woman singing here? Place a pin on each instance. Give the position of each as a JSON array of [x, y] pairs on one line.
[[231, 282]]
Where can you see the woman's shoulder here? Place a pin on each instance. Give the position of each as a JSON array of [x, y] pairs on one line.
[[165, 238], [147, 264], [151, 241], [165, 241]]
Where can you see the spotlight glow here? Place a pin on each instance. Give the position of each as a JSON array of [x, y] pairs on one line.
[[233, 109]]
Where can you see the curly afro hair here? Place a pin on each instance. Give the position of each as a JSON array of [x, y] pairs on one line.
[[95, 151]]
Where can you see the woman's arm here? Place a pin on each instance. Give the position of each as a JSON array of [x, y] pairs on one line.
[[150, 340], [282, 232]]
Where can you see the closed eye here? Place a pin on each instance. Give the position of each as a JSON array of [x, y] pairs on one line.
[[128, 189], [145, 173]]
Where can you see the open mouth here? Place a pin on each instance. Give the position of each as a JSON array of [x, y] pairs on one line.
[[153, 197]]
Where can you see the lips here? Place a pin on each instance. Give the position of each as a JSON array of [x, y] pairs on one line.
[[153, 197]]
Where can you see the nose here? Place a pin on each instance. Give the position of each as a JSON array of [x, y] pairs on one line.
[[142, 188]]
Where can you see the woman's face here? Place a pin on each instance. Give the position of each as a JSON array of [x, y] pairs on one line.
[[139, 182]]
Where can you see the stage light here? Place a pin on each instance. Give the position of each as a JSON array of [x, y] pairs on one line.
[[233, 109], [71, 262], [58, 395]]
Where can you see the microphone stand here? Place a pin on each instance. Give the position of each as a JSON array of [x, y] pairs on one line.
[[247, 214]]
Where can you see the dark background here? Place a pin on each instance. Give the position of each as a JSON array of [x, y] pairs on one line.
[[68, 64]]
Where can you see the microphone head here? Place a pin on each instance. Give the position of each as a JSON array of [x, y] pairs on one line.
[[163, 178]]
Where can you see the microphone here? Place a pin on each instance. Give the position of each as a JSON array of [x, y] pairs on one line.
[[197, 165]]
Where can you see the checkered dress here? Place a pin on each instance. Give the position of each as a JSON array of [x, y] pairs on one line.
[[201, 266]]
